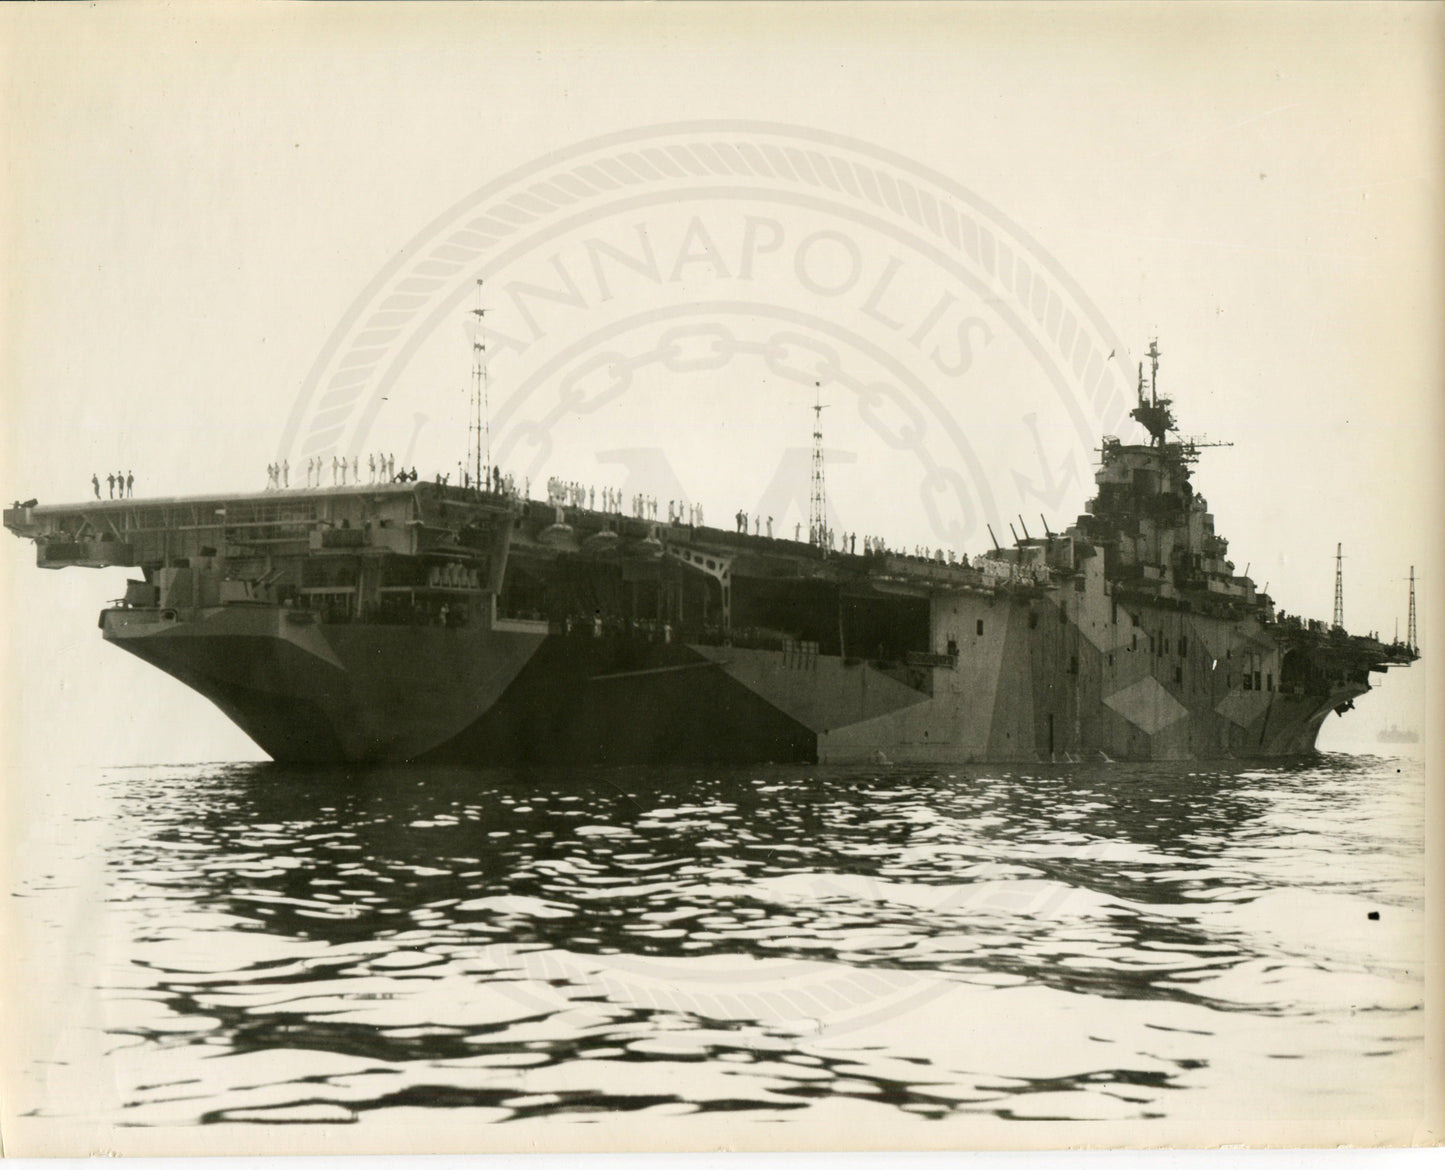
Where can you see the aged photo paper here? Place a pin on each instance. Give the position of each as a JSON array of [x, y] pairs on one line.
[[724, 577]]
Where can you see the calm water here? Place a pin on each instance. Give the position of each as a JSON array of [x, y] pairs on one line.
[[255, 944]]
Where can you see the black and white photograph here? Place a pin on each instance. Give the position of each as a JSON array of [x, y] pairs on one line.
[[695, 577]]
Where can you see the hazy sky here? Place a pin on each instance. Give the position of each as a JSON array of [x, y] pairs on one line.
[[196, 198]]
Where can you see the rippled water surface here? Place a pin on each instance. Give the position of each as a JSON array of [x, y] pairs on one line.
[[261, 944]]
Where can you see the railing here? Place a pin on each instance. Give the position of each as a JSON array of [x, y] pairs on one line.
[[926, 658]]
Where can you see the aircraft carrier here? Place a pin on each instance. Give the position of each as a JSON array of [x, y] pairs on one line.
[[429, 621]]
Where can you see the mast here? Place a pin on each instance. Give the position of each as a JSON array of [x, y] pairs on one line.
[[479, 423], [818, 501], [1339, 622], [1153, 412], [1410, 638]]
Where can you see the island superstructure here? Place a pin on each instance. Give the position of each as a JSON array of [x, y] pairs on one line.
[[427, 621]]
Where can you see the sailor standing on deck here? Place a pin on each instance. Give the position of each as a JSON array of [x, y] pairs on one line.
[[371, 468], [95, 483], [285, 473], [110, 479]]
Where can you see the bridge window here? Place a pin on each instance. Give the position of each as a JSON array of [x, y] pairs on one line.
[[980, 627]]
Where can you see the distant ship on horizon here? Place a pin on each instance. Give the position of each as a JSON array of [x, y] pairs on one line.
[[1394, 734]]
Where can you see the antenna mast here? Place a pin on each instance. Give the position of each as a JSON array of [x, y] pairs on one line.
[[1339, 622], [479, 425], [1410, 624], [818, 502], [1154, 413]]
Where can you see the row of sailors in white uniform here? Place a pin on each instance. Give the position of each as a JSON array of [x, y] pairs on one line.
[[562, 493], [453, 576], [380, 468]]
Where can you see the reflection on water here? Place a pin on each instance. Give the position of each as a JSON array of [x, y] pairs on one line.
[[1085, 942]]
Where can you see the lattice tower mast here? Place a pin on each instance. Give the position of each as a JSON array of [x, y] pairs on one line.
[[1410, 636], [1339, 621], [479, 423], [818, 500]]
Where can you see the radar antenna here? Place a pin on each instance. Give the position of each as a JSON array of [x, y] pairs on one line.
[[1153, 412]]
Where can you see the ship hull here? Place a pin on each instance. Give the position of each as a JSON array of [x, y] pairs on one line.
[[1021, 690]]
